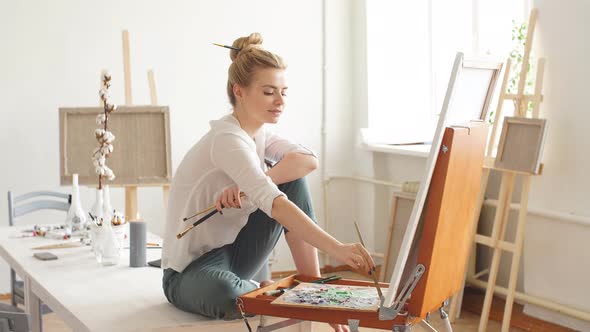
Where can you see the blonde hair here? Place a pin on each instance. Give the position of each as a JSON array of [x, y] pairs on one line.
[[247, 57]]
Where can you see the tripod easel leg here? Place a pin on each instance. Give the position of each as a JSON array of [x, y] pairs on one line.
[[131, 203], [498, 232], [518, 242]]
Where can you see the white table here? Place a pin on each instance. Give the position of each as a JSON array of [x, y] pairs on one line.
[[90, 297]]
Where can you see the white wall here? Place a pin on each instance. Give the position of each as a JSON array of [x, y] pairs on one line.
[[346, 99], [562, 40], [53, 52], [557, 253]]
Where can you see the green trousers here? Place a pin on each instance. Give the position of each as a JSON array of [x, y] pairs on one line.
[[211, 284]]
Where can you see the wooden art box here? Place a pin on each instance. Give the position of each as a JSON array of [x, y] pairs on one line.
[[443, 243], [257, 303]]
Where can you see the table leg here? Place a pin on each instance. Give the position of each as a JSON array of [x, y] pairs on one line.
[[32, 305]]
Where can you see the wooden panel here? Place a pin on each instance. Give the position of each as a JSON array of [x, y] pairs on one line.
[[141, 154], [445, 240]]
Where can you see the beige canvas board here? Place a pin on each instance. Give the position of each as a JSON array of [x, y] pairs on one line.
[[141, 154], [521, 144]]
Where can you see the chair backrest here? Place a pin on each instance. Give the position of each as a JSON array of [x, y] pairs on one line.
[[13, 319], [36, 200]]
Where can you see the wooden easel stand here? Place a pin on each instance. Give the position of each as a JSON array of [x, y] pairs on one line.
[[131, 206], [496, 240]]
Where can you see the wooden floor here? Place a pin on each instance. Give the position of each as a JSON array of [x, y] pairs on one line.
[[468, 322]]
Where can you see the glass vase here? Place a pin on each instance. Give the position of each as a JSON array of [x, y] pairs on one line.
[[106, 244]]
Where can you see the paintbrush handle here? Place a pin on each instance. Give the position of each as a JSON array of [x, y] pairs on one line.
[[196, 223], [275, 292], [373, 275], [242, 194], [181, 234]]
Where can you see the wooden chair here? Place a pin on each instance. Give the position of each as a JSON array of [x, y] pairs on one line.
[[443, 245], [25, 204]]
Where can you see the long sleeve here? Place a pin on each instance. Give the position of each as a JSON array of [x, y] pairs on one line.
[[236, 156]]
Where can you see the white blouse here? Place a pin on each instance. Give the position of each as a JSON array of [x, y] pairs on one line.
[[226, 156]]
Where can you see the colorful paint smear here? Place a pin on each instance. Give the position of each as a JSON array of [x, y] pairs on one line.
[[333, 296]]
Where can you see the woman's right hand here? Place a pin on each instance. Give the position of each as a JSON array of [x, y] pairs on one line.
[[355, 256], [230, 197]]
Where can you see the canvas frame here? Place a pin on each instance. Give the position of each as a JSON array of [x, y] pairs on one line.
[[496, 68], [142, 151], [516, 144]]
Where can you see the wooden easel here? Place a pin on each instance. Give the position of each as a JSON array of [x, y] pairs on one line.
[[131, 191], [496, 240], [442, 250]]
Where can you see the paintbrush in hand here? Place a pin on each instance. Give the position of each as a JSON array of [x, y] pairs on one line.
[[373, 275], [196, 223], [212, 211]]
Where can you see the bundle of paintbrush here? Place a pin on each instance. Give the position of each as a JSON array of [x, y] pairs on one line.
[[212, 211]]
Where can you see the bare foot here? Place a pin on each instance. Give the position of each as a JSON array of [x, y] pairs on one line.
[[265, 283]]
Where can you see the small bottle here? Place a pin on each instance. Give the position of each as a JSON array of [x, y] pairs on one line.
[[111, 247], [76, 218]]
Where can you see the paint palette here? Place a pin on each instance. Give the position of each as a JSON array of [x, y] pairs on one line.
[[332, 296]]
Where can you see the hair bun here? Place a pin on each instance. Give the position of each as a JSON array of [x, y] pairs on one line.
[[245, 43]]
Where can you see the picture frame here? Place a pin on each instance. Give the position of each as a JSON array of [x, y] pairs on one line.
[[521, 144], [475, 89], [141, 155]]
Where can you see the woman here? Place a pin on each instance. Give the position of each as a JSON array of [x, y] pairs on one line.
[[207, 269]]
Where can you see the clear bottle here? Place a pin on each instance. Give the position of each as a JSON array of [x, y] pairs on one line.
[[109, 245], [76, 218]]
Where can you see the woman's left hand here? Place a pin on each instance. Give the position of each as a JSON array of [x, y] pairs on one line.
[[230, 197]]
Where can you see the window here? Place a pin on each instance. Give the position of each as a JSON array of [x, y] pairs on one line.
[[411, 46]]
